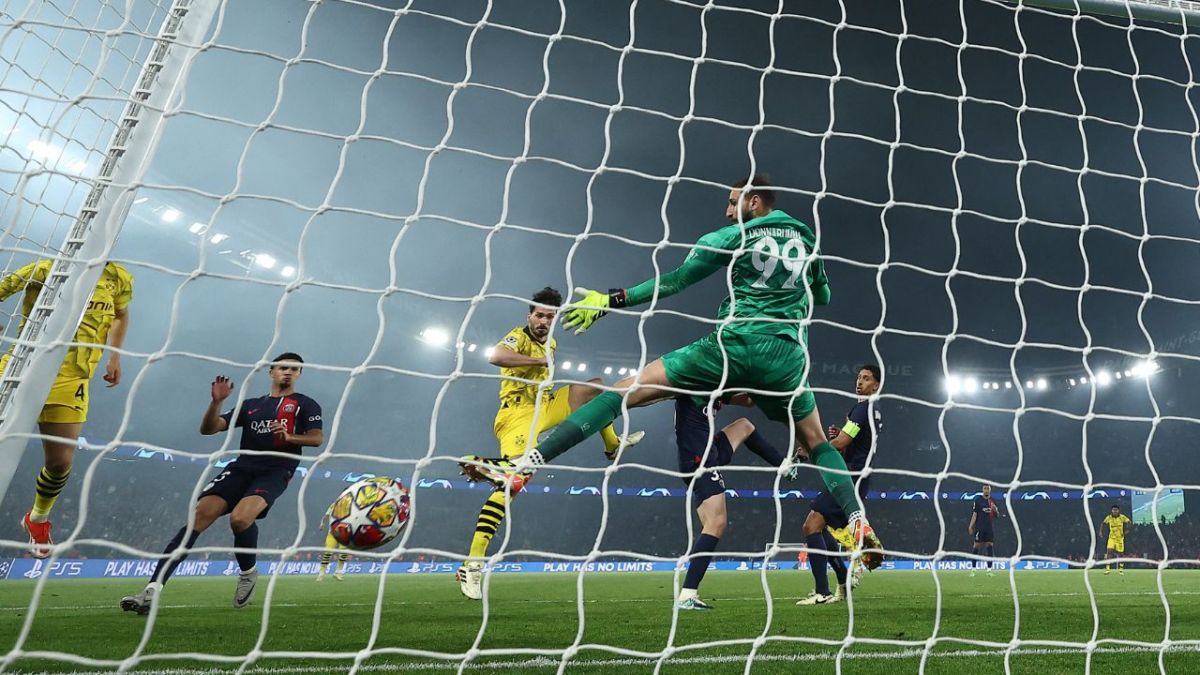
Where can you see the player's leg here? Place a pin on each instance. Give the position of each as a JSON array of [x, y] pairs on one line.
[[713, 520], [208, 508], [836, 563], [1120, 547], [814, 539], [742, 432], [513, 429], [245, 538], [59, 439], [339, 572], [331, 545], [580, 394]]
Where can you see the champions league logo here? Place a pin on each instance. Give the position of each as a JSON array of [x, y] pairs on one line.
[[905, 496], [584, 490], [654, 492], [435, 483]]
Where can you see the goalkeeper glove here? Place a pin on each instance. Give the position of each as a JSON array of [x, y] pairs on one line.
[[592, 306]]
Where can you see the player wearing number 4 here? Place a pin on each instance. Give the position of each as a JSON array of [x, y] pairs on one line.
[[104, 322], [760, 344], [275, 430], [527, 409]]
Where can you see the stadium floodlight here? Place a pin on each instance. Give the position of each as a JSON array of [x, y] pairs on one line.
[[78, 166], [217, 238], [970, 385], [1117, 374], [622, 371], [953, 384], [197, 227], [472, 347], [1042, 384], [489, 351], [608, 370], [566, 365], [1083, 380], [287, 272], [170, 215], [1143, 369], [1008, 385], [1029, 384], [1103, 378], [1071, 381], [435, 336], [581, 367], [264, 260]]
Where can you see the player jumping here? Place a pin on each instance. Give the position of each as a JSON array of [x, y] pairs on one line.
[[104, 322], [1118, 525], [692, 429], [983, 515], [281, 422], [853, 440], [523, 357], [775, 275]]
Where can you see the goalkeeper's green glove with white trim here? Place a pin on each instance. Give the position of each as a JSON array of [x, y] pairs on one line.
[[592, 306]]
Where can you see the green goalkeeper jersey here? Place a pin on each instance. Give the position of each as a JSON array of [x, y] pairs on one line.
[[774, 268]]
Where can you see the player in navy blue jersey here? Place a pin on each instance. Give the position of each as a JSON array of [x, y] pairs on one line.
[[854, 441], [275, 430], [983, 534], [692, 431]]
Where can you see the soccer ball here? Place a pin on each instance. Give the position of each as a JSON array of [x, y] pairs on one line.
[[369, 513]]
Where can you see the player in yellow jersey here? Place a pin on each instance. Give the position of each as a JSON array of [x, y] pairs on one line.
[[331, 545], [1118, 524], [104, 322], [526, 410]]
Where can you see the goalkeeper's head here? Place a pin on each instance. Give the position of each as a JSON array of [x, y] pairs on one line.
[[542, 310], [750, 198]]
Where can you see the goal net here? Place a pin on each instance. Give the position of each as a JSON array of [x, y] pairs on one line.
[[1005, 200]]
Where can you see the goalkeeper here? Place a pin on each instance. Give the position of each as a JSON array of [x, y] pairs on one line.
[[776, 276]]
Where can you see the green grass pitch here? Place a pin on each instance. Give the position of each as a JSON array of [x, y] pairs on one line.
[[330, 621]]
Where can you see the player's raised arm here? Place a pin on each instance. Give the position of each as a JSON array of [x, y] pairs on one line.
[[503, 357], [712, 253], [213, 421]]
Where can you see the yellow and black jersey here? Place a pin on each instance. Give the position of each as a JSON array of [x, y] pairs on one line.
[[113, 292], [513, 390]]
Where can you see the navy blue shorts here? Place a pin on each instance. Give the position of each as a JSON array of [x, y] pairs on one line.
[[235, 483], [691, 436], [827, 506], [984, 536]]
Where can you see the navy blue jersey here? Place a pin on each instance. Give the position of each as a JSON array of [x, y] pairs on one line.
[[693, 431], [861, 429], [985, 512], [299, 412]]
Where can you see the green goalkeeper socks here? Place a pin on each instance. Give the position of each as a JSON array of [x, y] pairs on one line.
[[840, 485], [590, 418]]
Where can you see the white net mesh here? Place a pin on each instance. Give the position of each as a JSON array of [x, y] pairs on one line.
[[1005, 198]]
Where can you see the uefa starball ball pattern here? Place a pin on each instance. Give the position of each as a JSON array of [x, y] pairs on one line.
[[369, 513]]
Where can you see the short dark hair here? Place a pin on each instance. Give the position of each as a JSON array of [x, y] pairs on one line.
[[286, 356], [548, 296], [875, 372], [1114, 506], [760, 184]]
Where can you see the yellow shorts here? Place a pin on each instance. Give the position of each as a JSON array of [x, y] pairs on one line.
[[1118, 546], [67, 402], [331, 543], [516, 427]]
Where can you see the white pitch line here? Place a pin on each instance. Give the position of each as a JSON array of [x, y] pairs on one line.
[[547, 662]]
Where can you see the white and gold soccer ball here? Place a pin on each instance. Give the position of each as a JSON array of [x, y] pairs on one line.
[[369, 513]]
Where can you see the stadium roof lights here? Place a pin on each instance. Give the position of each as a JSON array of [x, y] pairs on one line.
[[435, 336]]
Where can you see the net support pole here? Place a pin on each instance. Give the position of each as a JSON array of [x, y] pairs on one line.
[[1179, 12], [43, 342]]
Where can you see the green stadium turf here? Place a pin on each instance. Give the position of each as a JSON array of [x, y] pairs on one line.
[[331, 621]]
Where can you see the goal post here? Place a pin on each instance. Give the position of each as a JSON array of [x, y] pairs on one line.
[[50, 328]]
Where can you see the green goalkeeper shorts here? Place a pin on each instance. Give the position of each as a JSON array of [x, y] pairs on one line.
[[764, 362]]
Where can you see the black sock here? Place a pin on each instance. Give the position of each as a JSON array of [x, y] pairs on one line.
[[990, 550], [698, 565], [247, 538], [837, 562], [759, 445], [166, 565], [817, 560]]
